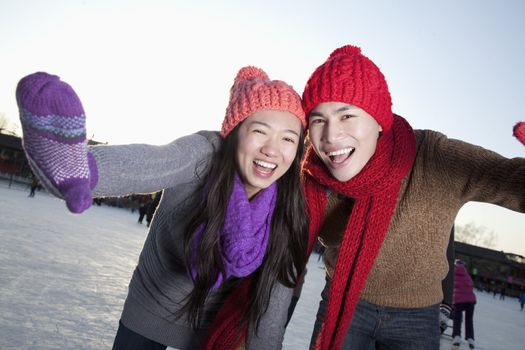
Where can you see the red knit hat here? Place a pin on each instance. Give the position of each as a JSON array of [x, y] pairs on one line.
[[253, 91], [350, 77]]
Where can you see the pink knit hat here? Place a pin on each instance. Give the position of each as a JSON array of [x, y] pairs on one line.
[[253, 91], [350, 77]]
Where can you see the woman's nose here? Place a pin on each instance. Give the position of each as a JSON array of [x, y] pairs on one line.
[[270, 148]]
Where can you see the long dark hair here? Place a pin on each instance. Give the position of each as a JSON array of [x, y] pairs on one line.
[[285, 257]]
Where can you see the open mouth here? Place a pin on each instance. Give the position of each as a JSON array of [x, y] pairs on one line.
[[341, 155], [264, 167]]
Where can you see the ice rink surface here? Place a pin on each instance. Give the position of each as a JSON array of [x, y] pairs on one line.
[[64, 278]]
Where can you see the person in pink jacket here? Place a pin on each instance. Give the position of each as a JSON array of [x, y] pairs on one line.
[[464, 300]]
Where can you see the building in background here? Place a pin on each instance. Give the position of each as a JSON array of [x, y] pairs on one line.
[[15, 169], [13, 162], [493, 270]]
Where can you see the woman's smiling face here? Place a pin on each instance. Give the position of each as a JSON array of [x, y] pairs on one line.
[[267, 146]]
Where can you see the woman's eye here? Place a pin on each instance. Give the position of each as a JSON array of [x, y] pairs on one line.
[[289, 139], [258, 131], [347, 116]]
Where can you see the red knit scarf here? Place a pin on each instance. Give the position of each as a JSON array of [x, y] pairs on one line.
[[228, 330], [375, 190]]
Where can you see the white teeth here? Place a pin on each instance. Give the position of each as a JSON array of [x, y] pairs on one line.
[[264, 164], [341, 151]]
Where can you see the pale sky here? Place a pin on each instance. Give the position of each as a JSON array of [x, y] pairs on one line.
[[150, 72]]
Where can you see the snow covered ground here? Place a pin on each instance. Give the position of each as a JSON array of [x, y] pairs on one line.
[[64, 277], [498, 324]]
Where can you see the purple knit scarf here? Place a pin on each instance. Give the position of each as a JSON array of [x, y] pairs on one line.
[[244, 236]]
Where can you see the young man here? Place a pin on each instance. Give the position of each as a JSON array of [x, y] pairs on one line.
[[382, 198]]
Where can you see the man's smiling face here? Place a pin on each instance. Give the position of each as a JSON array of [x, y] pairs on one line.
[[344, 136]]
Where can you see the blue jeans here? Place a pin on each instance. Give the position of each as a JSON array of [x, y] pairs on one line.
[[388, 328]]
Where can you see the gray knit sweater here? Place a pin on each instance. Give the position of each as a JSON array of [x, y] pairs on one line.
[[160, 281]]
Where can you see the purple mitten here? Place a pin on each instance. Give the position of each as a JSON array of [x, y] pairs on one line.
[[53, 124]]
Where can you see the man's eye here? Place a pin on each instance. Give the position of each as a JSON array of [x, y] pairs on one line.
[[347, 116], [317, 121], [258, 131]]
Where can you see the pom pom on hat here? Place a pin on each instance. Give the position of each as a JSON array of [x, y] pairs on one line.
[[345, 50], [350, 77], [253, 91], [250, 73]]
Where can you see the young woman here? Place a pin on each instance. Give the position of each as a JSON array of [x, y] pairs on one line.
[[383, 198], [231, 220]]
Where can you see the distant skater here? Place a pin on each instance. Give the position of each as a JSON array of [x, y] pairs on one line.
[[152, 207], [34, 186], [144, 203], [464, 301]]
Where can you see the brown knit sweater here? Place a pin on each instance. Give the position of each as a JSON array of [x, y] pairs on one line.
[[446, 174]]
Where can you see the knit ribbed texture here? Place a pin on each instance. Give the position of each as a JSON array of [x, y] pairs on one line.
[[350, 77], [336, 215], [230, 331], [253, 91], [244, 235], [411, 263], [446, 174], [375, 190], [160, 281], [53, 123], [227, 331]]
